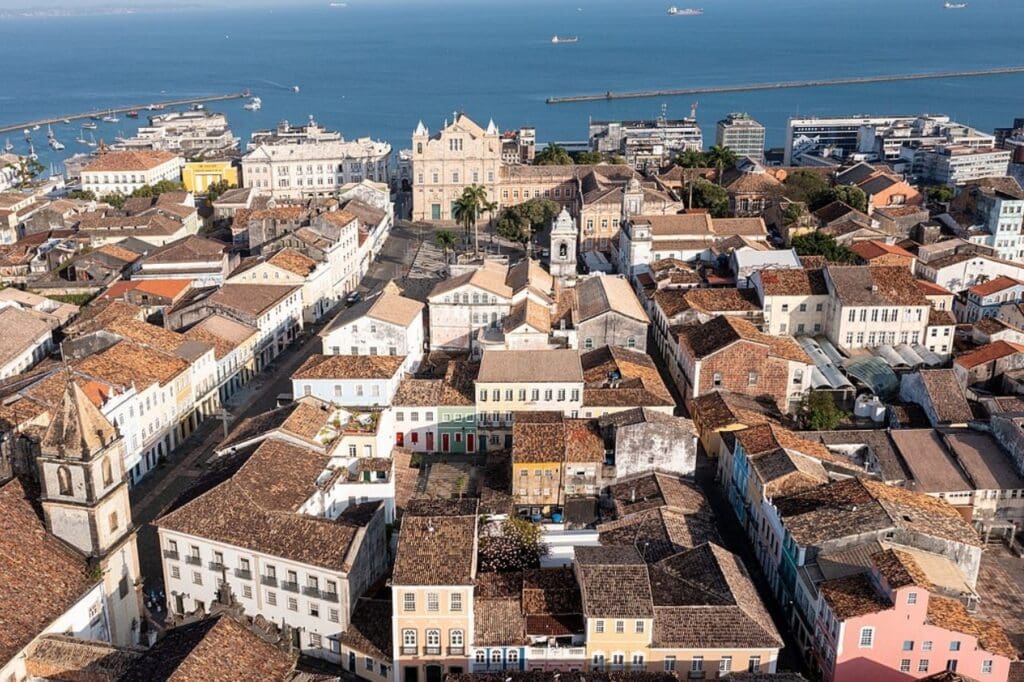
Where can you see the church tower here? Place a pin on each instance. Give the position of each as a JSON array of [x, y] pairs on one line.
[[84, 496], [564, 237], [632, 200]]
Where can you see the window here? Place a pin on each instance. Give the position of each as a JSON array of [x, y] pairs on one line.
[[368, 663], [113, 521], [752, 378], [332, 615], [456, 639], [433, 641], [314, 640], [954, 645], [456, 601], [754, 664], [175, 572], [293, 604], [908, 645], [638, 662], [725, 665], [986, 666], [951, 665], [670, 663], [716, 379], [598, 662], [922, 665], [409, 638], [639, 626], [588, 343], [617, 661], [314, 609], [631, 342], [620, 626], [697, 664], [197, 577], [904, 665], [599, 627], [432, 602], [271, 598], [409, 602], [912, 598], [108, 474], [867, 638], [64, 480]]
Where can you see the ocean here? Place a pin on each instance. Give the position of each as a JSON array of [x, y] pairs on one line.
[[375, 67]]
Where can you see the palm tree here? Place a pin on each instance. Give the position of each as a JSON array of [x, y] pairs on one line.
[[721, 157], [464, 211], [477, 196], [691, 158], [446, 240]]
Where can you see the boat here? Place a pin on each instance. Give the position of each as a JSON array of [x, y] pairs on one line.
[[81, 139], [110, 118], [28, 133], [198, 107], [685, 12], [55, 144], [96, 118], [88, 125], [295, 88], [339, 4], [558, 40], [8, 147], [132, 114], [49, 133], [35, 127], [67, 121], [955, 5], [92, 140], [255, 104], [32, 151]]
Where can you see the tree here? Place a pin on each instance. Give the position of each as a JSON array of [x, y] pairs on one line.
[[216, 189], [116, 200], [793, 213], [519, 546], [692, 158], [940, 193], [490, 208], [801, 185], [820, 244], [84, 195], [705, 194], [721, 157], [446, 240], [617, 160], [818, 412], [518, 223], [157, 189], [848, 194], [552, 155], [28, 169], [589, 158], [464, 211]]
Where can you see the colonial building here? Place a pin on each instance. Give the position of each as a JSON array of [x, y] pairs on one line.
[[386, 324], [125, 172]]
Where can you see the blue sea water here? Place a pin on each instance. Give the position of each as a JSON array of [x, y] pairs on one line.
[[377, 66]]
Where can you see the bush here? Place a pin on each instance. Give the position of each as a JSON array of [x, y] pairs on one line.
[[819, 412], [820, 244], [520, 546]]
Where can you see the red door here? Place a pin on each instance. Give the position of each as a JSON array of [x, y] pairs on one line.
[[399, 439], [430, 441], [444, 442], [470, 442]]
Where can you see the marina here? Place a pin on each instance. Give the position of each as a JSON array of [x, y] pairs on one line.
[[108, 114], [783, 85]]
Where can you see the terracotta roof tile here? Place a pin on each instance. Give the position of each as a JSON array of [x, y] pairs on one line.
[[988, 353], [853, 596], [950, 614], [142, 160], [350, 367], [436, 550]]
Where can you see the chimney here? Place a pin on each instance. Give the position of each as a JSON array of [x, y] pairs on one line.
[[632, 495]]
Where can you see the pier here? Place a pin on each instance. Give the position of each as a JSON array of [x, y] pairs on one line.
[[120, 110], [783, 85]]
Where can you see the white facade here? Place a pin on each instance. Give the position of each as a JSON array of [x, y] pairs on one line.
[[309, 161], [355, 392], [108, 178], [956, 165], [31, 353], [957, 274], [371, 336]]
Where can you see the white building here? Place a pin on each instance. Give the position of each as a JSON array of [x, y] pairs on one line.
[[27, 339], [320, 292], [989, 212], [742, 134], [125, 172], [195, 133], [275, 547], [959, 271], [955, 165], [350, 380], [308, 161], [873, 306], [386, 324]]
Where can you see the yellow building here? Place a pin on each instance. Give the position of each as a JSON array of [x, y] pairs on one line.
[[199, 175], [432, 589]]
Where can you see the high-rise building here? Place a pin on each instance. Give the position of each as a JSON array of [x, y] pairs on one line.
[[644, 143], [742, 134]]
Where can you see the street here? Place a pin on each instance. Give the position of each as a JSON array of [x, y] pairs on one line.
[[152, 497]]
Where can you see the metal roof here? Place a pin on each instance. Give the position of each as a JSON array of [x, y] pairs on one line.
[[825, 372], [874, 373]]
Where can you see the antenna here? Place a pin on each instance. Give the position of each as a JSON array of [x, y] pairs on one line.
[[693, 110]]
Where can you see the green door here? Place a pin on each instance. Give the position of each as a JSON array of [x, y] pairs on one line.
[[435, 211]]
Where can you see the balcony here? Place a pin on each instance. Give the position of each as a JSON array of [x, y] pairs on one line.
[[432, 650], [243, 573], [170, 554], [216, 566], [310, 591], [268, 580], [329, 596], [194, 560], [557, 653], [290, 587], [408, 650], [456, 651]]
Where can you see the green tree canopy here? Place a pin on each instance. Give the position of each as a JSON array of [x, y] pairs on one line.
[[940, 193], [589, 157], [708, 195], [820, 244], [848, 194], [85, 195], [447, 240], [801, 185], [721, 157], [158, 189], [553, 155], [818, 412], [691, 158], [518, 223], [216, 189], [115, 199]]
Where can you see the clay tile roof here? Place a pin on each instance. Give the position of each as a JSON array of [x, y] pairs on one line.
[[349, 367], [538, 437], [881, 285], [435, 550], [739, 226], [931, 288], [988, 353], [900, 569], [293, 261], [547, 366], [994, 286], [254, 299], [120, 253], [70, 659], [950, 614], [853, 596], [128, 363], [215, 649], [369, 631], [946, 396], [40, 577], [602, 294], [719, 332], [257, 508], [21, 329], [614, 583], [718, 409], [871, 249], [499, 620], [395, 309], [77, 427], [142, 160], [583, 441], [528, 312], [793, 282]]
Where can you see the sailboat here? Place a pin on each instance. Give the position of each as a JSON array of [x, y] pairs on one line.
[[81, 138], [92, 140], [110, 118], [89, 125], [8, 147], [55, 144], [49, 132], [32, 151]]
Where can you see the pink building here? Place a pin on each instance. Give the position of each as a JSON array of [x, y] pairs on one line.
[[890, 625]]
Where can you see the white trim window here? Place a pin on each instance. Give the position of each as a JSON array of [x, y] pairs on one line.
[[867, 638]]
